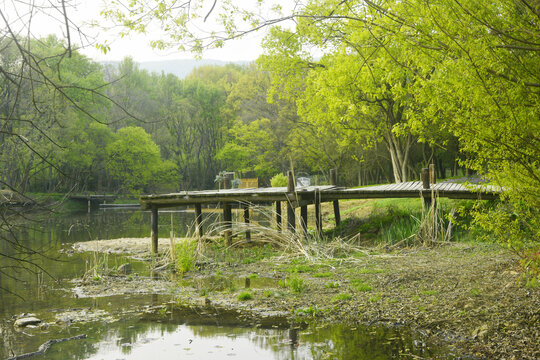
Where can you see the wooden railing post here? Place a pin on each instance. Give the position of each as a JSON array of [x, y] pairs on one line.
[[290, 208], [333, 181], [227, 181], [154, 229]]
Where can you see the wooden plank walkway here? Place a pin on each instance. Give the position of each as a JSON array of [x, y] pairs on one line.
[[326, 193], [301, 197]]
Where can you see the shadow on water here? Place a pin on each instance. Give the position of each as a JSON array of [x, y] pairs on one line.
[[140, 327]]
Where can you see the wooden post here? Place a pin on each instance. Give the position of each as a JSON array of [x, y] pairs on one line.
[[278, 216], [227, 221], [154, 232], [432, 174], [290, 209], [89, 205], [333, 181], [227, 181], [303, 219], [246, 220], [318, 217], [425, 186], [198, 220], [425, 178]]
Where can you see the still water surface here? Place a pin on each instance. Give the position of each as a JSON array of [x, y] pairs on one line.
[[127, 332]]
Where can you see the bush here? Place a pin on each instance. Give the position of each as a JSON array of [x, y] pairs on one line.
[[278, 180]]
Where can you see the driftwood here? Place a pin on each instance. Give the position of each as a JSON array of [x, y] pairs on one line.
[[45, 346]]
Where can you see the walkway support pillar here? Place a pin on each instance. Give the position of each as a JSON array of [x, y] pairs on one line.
[[198, 220], [246, 221], [278, 216], [303, 220], [318, 215], [425, 186], [154, 229], [333, 181], [290, 208], [227, 221]]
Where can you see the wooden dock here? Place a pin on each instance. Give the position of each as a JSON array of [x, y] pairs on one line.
[[92, 199], [303, 196]]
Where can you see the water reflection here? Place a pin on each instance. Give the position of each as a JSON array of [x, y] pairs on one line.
[[173, 339]]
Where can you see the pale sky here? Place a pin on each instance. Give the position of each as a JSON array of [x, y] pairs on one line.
[[82, 12]]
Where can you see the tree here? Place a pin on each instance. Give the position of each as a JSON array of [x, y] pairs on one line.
[[135, 161]]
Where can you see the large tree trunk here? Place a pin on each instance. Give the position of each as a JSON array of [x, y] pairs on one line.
[[399, 154]]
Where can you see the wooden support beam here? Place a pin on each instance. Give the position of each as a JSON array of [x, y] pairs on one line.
[[279, 219], [425, 186], [303, 220], [198, 220], [318, 215], [333, 181], [246, 220], [227, 222], [291, 220], [154, 235]]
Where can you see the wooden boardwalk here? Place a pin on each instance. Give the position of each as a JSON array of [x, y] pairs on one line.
[[302, 196], [326, 193]]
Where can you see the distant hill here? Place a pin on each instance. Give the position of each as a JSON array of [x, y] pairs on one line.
[[180, 68]]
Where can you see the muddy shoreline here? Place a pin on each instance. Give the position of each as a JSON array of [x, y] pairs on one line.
[[468, 296]]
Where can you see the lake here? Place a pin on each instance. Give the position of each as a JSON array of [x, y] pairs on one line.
[[146, 326]]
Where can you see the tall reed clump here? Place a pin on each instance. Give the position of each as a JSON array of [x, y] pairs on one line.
[[310, 246], [432, 227], [186, 255]]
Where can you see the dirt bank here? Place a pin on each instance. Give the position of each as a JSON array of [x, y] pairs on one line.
[[465, 295]]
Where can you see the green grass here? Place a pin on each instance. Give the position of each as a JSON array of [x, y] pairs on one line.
[[341, 297], [294, 283], [369, 271], [359, 285], [244, 296], [323, 275]]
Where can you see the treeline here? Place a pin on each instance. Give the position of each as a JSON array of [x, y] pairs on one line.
[[71, 124]]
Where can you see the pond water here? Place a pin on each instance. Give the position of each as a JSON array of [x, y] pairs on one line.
[[146, 326]]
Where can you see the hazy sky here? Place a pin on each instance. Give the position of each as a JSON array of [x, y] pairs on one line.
[[49, 20]]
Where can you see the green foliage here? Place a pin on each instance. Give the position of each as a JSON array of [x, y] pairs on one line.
[[244, 296], [515, 225], [134, 159], [278, 180], [185, 255]]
